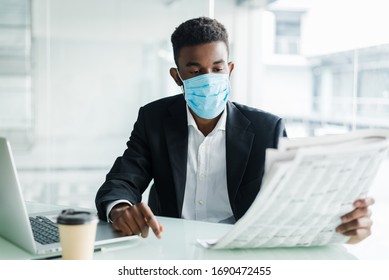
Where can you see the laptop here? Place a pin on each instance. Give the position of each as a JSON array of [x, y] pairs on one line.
[[15, 223]]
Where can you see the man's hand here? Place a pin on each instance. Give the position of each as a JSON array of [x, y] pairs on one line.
[[134, 220], [357, 223]]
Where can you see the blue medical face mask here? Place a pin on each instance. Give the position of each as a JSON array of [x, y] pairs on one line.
[[207, 94]]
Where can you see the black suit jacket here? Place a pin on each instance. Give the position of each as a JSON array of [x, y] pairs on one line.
[[158, 149]]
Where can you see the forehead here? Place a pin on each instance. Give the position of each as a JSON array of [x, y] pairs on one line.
[[203, 54]]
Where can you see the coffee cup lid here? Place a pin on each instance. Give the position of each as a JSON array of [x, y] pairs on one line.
[[73, 217]]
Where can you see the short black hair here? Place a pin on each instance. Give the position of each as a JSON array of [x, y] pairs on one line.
[[198, 31]]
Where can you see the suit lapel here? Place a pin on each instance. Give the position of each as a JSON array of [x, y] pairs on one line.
[[238, 146], [176, 133]]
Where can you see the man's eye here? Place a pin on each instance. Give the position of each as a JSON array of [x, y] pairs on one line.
[[194, 71], [218, 69]]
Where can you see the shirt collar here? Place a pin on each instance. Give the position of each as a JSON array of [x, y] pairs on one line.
[[221, 124]]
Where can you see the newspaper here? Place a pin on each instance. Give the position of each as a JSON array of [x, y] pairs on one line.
[[309, 183]]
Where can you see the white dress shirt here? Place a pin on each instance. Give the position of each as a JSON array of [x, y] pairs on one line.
[[206, 194]]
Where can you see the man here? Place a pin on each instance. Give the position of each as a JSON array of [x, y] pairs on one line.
[[205, 154]]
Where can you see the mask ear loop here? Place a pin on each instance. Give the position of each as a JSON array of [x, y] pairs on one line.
[[182, 80]]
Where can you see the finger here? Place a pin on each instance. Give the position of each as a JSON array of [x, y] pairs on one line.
[[151, 220], [121, 225], [118, 210], [115, 226], [131, 221], [140, 220], [357, 235], [364, 202], [356, 214], [127, 222], [364, 222]]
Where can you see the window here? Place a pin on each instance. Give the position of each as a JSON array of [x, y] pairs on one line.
[[288, 32], [15, 69], [353, 85]]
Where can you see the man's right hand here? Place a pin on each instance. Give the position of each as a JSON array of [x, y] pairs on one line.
[[135, 219]]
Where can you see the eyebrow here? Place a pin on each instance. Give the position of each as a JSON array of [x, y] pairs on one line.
[[198, 64]]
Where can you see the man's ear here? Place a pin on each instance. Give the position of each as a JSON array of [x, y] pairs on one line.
[[231, 66], [174, 74]]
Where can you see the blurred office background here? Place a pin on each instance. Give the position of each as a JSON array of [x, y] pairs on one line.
[[73, 74]]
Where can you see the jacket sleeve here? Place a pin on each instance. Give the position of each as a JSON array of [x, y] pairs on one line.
[[280, 131], [131, 173]]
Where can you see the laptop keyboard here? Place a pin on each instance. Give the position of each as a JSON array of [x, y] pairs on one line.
[[45, 230]]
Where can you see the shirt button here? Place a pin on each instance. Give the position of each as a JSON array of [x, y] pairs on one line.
[[200, 202]]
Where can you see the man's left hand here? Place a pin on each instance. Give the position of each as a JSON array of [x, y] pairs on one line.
[[357, 223]]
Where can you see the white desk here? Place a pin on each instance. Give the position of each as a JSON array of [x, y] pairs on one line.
[[179, 242]]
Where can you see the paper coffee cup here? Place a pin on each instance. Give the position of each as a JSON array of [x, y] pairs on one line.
[[77, 234]]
